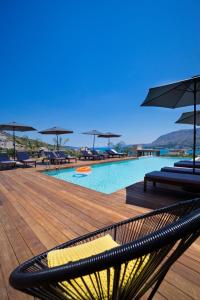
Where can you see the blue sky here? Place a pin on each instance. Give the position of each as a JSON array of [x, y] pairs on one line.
[[88, 64]]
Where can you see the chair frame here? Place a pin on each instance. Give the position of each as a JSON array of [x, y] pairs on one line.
[[163, 235]]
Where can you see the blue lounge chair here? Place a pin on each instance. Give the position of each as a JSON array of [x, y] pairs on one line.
[[5, 161], [25, 159], [62, 154], [87, 154], [180, 170], [99, 153], [188, 181], [187, 164], [114, 153], [54, 158]]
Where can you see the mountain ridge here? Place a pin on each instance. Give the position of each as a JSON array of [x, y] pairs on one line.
[[182, 138]]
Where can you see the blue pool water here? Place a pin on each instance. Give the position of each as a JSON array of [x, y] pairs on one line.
[[110, 177]]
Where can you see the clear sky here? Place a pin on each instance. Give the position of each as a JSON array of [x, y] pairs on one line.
[[88, 65]]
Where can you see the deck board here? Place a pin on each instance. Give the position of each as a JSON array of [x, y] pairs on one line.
[[38, 212]]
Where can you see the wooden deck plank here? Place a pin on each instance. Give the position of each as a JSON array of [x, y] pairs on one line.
[[37, 212]]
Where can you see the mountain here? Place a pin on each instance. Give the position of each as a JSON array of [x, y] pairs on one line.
[[177, 139]]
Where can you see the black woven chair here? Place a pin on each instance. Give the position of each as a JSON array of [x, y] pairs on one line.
[[159, 238]]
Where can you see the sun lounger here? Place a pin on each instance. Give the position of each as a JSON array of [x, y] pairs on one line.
[[171, 178], [180, 170], [25, 159], [54, 158], [114, 153], [5, 161], [85, 154], [62, 154], [187, 164], [99, 153]]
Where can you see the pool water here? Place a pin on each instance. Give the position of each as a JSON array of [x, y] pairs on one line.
[[110, 177]]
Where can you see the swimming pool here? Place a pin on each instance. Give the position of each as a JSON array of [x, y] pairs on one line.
[[109, 177]]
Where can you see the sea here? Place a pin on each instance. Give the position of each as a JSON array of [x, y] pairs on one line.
[[163, 151]]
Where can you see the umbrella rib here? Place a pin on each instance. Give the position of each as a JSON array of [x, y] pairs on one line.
[[174, 106]]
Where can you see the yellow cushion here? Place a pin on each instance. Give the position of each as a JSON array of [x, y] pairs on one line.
[[82, 287]]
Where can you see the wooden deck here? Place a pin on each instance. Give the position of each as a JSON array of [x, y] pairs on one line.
[[38, 212]]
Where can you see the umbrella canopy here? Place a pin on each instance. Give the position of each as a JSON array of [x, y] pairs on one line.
[[188, 118], [173, 95], [178, 94], [93, 132], [14, 126], [57, 131], [109, 135]]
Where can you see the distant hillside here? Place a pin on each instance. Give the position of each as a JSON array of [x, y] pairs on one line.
[[177, 139], [6, 142]]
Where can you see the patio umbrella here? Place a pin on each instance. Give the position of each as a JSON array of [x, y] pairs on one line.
[[57, 131], [13, 126], [109, 135], [188, 118], [94, 133], [178, 94]]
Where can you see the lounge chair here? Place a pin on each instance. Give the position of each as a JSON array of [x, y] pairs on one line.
[[87, 154], [68, 157], [171, 178], [187, 164], [131, 261], [114, 153], [25, 159], [180, 170], [5, 161], [99, 153], [54, 158]]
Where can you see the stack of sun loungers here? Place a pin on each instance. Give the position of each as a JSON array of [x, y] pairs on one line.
[[180, 175]]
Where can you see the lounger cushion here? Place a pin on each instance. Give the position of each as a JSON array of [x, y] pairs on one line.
[[97, 246], [7, 162]]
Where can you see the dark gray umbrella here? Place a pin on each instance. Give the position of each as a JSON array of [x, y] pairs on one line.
[[109, 135], [57, 131], [93, 132], [13, 126], [188, 118], [178, 94]]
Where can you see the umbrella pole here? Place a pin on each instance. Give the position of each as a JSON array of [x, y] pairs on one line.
[[195, 120], [57, 146], [93, 141], [14, 155], [108, 142]]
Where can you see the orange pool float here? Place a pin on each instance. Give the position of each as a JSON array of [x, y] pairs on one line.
[[83, 170]]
